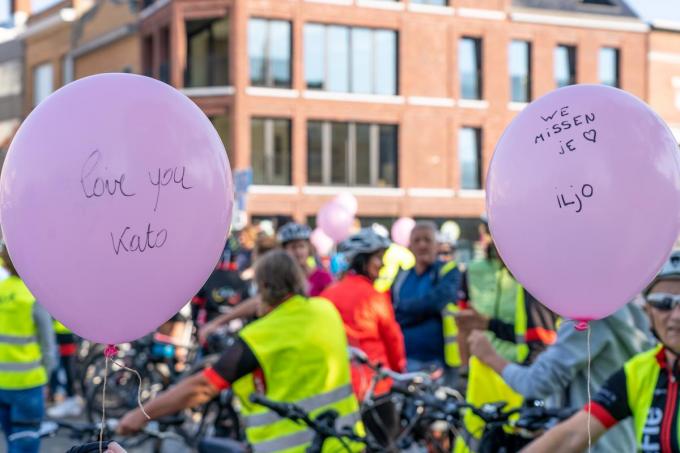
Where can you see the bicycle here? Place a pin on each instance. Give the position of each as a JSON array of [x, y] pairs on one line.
[[324, 425]]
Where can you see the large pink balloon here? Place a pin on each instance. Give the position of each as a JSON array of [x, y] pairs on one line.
[[348, 201], [335, 221], [322, 243], [115, 202], [583, 196], [401, 230]]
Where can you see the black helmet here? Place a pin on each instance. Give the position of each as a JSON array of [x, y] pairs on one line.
[[293, 232]]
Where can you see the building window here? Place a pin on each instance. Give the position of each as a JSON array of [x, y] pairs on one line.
[[222, 125], [470, 155], [470, 68], [351, 154], [270, 151], [43, 82], [10, 78], [609, 67], [351, 59], [520, 71], [207, 53], [269, 53], [565, 66]]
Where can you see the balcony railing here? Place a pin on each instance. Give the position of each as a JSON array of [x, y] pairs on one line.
[[210, 71]]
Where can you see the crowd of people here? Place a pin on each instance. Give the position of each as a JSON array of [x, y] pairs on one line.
[[414, 309]]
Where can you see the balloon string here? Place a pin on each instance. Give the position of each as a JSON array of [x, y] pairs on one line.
[[590, 439], [139, 388], [101, 428]]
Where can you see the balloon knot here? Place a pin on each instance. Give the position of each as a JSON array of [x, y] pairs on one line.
[[581, 326], [111, 351]]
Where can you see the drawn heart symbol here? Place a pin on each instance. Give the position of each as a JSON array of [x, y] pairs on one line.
[[590, 135]]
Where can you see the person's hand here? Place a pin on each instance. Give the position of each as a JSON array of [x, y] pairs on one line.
[[471, 319], [205, 331], [481, 347], [132, 423], [115, 448]]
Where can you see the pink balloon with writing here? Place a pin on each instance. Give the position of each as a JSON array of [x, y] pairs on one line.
[[583, 197], [115, 200]]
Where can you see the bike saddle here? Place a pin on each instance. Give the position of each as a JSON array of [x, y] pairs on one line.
[[221, 445]]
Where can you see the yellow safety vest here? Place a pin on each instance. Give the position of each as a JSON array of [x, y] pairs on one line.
[[59, 328], [396, 257], [642, 374], [302, 349], [486, 386], [21, 364], [449, 326]]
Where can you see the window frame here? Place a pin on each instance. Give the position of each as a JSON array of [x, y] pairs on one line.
[[268, 72], [269, 151]]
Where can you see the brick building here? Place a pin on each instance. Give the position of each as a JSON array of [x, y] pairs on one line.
[[400, 102]]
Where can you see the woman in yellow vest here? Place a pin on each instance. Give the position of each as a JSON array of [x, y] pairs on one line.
[[27, 355], [295, 353], [645, 389]]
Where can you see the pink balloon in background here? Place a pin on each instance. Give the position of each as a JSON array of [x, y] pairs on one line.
[[348, 201], [321, 242], [583, 197], [335, 221], [115, 200], [401, 231]]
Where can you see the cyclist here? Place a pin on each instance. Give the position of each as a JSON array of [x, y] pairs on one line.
[[27, 356], [72, 405], [370, 324], [295, 353], [421, 296], [644, 389], [294, 238]]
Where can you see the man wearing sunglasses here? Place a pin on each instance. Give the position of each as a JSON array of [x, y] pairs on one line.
[[646, 388]]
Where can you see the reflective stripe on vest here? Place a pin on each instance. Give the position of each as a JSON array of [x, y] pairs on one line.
[[449, 326], [20, 356], [642, 374], [309, 404], [301, 347], [300, 439], [521, 326]]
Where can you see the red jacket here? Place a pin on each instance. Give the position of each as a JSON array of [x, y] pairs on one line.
[[370, 325]]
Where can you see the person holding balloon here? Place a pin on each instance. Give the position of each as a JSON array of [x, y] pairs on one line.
[[644, 389]]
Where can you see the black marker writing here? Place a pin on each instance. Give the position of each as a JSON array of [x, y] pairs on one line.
[[590, 135], [570, 146], [128, 242], [98, 186], [586, 191], [166, 177]]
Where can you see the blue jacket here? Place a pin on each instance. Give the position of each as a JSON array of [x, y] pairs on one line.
[[418, 302]]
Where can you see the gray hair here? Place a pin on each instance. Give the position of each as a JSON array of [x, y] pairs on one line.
[[278, 277], [426, 225]]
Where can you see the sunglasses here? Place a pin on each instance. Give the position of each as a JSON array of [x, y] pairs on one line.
[[663, 301]]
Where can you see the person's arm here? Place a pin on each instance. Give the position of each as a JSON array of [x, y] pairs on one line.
[[390, 333], [434, 301], [236, 361], [46, 337], [569, 436], [554, 369], [246, 309]]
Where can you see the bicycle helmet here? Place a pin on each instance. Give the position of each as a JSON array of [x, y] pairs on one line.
[[293, 232], [365, 241], [670, 270]]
